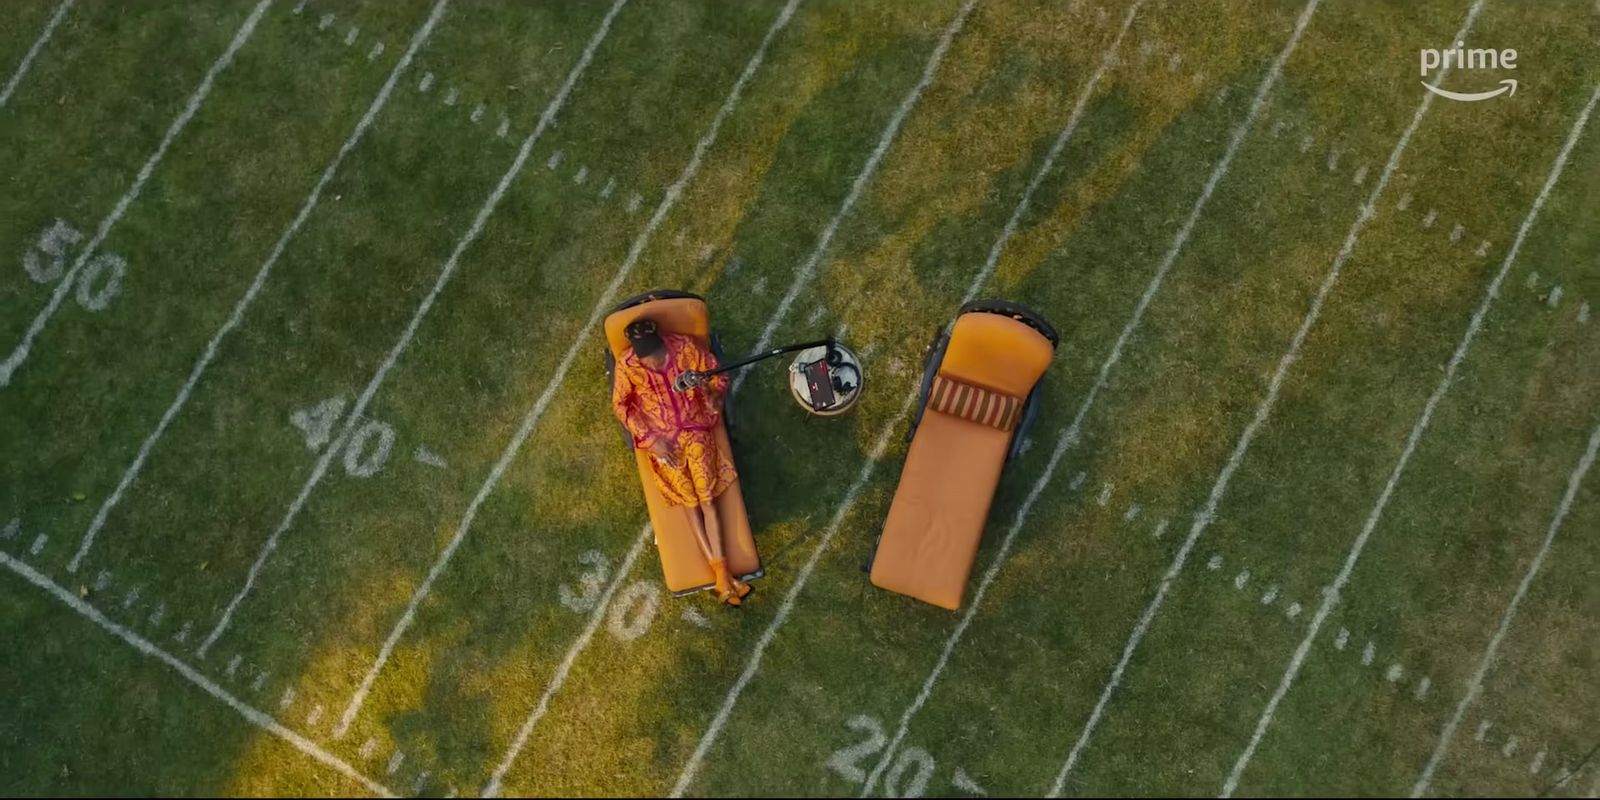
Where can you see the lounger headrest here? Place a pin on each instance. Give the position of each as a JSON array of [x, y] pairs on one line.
[[996, 351], [681, 315]]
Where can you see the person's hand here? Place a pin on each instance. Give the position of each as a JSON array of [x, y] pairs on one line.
[[663, 451]]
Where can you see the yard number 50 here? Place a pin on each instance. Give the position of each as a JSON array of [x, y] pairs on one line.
[[46, 261]]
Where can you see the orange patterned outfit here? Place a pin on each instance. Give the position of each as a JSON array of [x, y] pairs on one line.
[[644, 400]]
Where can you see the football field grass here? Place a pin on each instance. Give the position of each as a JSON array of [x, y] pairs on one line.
[[310, 484]]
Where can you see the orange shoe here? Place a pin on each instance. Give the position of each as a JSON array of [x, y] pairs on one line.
[[725, 586]]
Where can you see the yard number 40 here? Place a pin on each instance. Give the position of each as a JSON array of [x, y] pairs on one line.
[[368, 448], [46, 261]]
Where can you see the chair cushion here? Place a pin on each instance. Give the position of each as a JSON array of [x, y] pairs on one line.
[[935, 522], [974, 403]]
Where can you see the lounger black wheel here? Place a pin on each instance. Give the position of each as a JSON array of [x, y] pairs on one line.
[[932, 357], [1018, 312]]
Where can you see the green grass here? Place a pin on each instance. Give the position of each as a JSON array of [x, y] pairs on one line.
[[84, 712]]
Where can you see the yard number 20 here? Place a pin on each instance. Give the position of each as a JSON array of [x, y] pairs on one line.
[[907, 777]]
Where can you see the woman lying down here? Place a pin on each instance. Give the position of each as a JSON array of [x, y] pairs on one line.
[[677, 430]]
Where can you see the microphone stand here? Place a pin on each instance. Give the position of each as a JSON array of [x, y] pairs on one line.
[[689, 380]]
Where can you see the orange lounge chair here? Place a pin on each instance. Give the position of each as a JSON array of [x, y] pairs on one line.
[[682, 563], [979, 397]]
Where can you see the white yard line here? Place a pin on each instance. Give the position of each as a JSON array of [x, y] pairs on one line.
[[446, 272], [66, 283], [1331, 597], [249, 296], [559, 677], [1106, 60], [1072, 434], [668, 201], [891, 132], [254, 716], [692, 767], [802, 276], [714, 731], [1203, 520], [33, 52]]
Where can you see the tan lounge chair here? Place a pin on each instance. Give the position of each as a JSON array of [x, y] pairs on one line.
[[978, 400], [682, 563]]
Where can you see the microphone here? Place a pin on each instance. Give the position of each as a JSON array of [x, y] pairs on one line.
[[688, 380]]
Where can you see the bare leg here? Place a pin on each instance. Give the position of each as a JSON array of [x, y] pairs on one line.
[[700, 537], [711, 548], [714, 533], [713, 530]]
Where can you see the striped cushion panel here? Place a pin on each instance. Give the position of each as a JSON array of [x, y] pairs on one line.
[[974, 403]]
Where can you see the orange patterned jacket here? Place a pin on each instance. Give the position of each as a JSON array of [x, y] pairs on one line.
[[644, 400]]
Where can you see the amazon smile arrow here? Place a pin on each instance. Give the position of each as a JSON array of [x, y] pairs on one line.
[[1508, 87]]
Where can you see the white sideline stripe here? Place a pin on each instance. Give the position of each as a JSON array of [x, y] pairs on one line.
[[33, 52], [69, 280], [559, 677], [668, 200], [1204, 518], [239, 308], [446, 272], [254, 716], [1447, 734], [1331, 596], [891, 132]]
